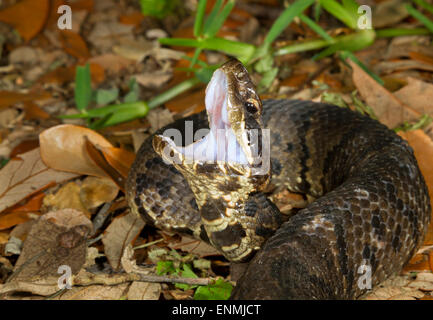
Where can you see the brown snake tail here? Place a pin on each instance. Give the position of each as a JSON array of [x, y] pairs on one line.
[[368, 206]]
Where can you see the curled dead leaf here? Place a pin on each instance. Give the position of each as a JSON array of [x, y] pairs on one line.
[[63, 148]]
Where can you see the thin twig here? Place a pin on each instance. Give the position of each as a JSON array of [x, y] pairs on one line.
[[128, 277], [148, 244]]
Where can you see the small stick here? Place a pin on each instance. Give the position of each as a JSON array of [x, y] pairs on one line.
[[121, 278]]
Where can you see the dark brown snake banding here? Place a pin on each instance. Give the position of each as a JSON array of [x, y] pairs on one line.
[[368, 202]]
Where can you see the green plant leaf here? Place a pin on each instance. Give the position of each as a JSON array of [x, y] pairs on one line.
[[165, 267], [285, 19], [352, 42], [424, 5], [420, 17], [199, 16], [212, 15], [397, 32], [220, 290], [105, 96], [316, 28], [157, 8], [186, 273], [268, 78], [134, 92], [219, 20], [339, 12], [347, 54], [83, 87], [119, 113]]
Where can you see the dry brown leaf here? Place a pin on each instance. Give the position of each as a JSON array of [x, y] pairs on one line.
[[396, 288], [192, 101], [387, 13], [95, 292], [63, 147], [24, 176], [91, 193], [417, 94], [134, 18], [9, 98], [57, 238], [387, 67], [4, 237], [111, 62], [27, 17], [119, 159], [194, 246], [96, 191], [62, 75], [19, 214], [73, 44], [390, 110], [12, 219], [67, 197], [43, 287], [120, 233], [83, 5], [33, 111], [144, 291], [23, 147], [423, 148]]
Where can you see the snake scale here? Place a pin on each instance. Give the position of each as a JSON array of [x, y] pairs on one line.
[[368, 205]]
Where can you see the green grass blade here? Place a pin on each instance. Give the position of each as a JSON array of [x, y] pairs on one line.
[[219, 19], [351, 6], [199, 16], [347, 54], [83, 87], [420, 17], [317, 9], [212, 15], [125, 112], [285, 19], [195, 57], [301, 47], [352, 42], [172, 92], [396, 32], [182, 42], [243, 51], [338, 11], [316, 28], [424, 5]]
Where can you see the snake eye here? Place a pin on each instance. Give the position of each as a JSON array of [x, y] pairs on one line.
[[251, 108]]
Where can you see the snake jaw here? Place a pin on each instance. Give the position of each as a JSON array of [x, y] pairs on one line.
[[235, 139]]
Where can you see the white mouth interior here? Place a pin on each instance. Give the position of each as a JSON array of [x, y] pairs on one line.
[[220, 143]]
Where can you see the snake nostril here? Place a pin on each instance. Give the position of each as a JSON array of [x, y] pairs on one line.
[[251, 108]]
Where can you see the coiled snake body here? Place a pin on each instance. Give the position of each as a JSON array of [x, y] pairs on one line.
[[368, 204]]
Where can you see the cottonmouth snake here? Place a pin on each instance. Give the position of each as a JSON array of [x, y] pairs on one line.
[[368, 205]]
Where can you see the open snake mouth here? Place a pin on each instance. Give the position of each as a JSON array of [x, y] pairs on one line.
[[220, 144]]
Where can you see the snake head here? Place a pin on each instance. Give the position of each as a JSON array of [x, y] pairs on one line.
[[228, 167], [236, 145]]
